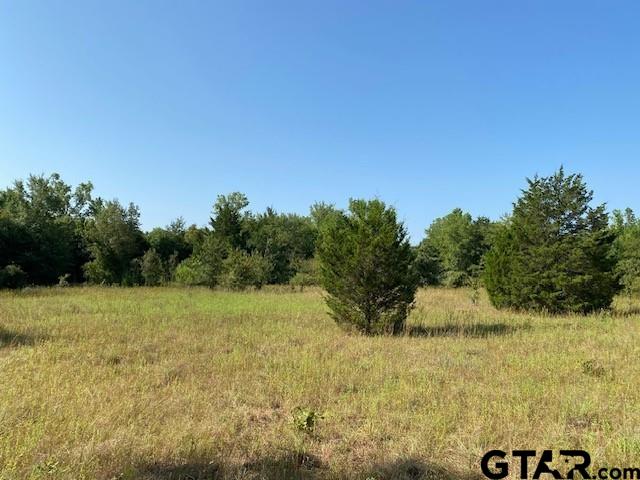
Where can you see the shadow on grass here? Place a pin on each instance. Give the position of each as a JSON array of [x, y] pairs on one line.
[[189, 471], [15, 339], [413, 469], [478, 330], [295, 466]]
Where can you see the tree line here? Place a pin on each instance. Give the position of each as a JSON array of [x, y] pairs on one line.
[[554, 251], [52, 233]]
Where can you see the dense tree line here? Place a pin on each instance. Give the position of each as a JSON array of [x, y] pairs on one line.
[[42, 225], [626, 250], [50, 233], [554, 252]]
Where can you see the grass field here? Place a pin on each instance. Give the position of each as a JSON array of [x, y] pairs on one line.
[[189, 383]]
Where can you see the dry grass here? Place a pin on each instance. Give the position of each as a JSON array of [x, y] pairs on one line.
[[188, 383]]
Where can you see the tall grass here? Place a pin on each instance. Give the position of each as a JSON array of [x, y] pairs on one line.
[[192, 383]]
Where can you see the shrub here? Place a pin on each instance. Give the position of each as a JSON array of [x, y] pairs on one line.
[[205, 265], [12, 276], [554, 253], [306, 419], [456, 279], [306, 274], [153, 270], [242, 270], [366, 268], [193, 271], [133, 275]]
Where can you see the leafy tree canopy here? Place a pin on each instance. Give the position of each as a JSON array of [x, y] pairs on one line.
[[40, 227], [452, 252], [228, 218], [115, 241], [626, 227]]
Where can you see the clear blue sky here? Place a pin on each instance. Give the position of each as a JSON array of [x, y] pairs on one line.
[[429, 105]]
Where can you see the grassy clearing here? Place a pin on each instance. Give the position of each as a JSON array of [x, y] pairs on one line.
[[188, 383]]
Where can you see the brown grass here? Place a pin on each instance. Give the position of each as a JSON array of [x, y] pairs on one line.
[[188, 383]]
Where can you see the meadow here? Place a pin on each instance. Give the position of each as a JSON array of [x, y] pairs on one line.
[[190, 383]]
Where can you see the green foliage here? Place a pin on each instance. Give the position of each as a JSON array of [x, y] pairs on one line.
[[153, 268], [243, 249], [193, 271], [428, 264], [306, 419], [227, 222], [12, 276], [195, 237], [115, 241], [283, 239], [452, 252], [321, 212], [40, 227], [17, 244], [554, 253], [241, 270], [366, 268], [211, 254], [133, 275], [627, 250], [50, 231], [306, 274], [171, 246], [214, 262], [205, 265]]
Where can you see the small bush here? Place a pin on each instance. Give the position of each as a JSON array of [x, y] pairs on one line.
[[306, 274], [204, 267], [301, 280], [306, 419], [194, 271], [455, 279], [594, 368], [12, 276], [241, 270]]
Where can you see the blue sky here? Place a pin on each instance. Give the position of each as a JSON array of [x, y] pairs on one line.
[[428, 105]]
